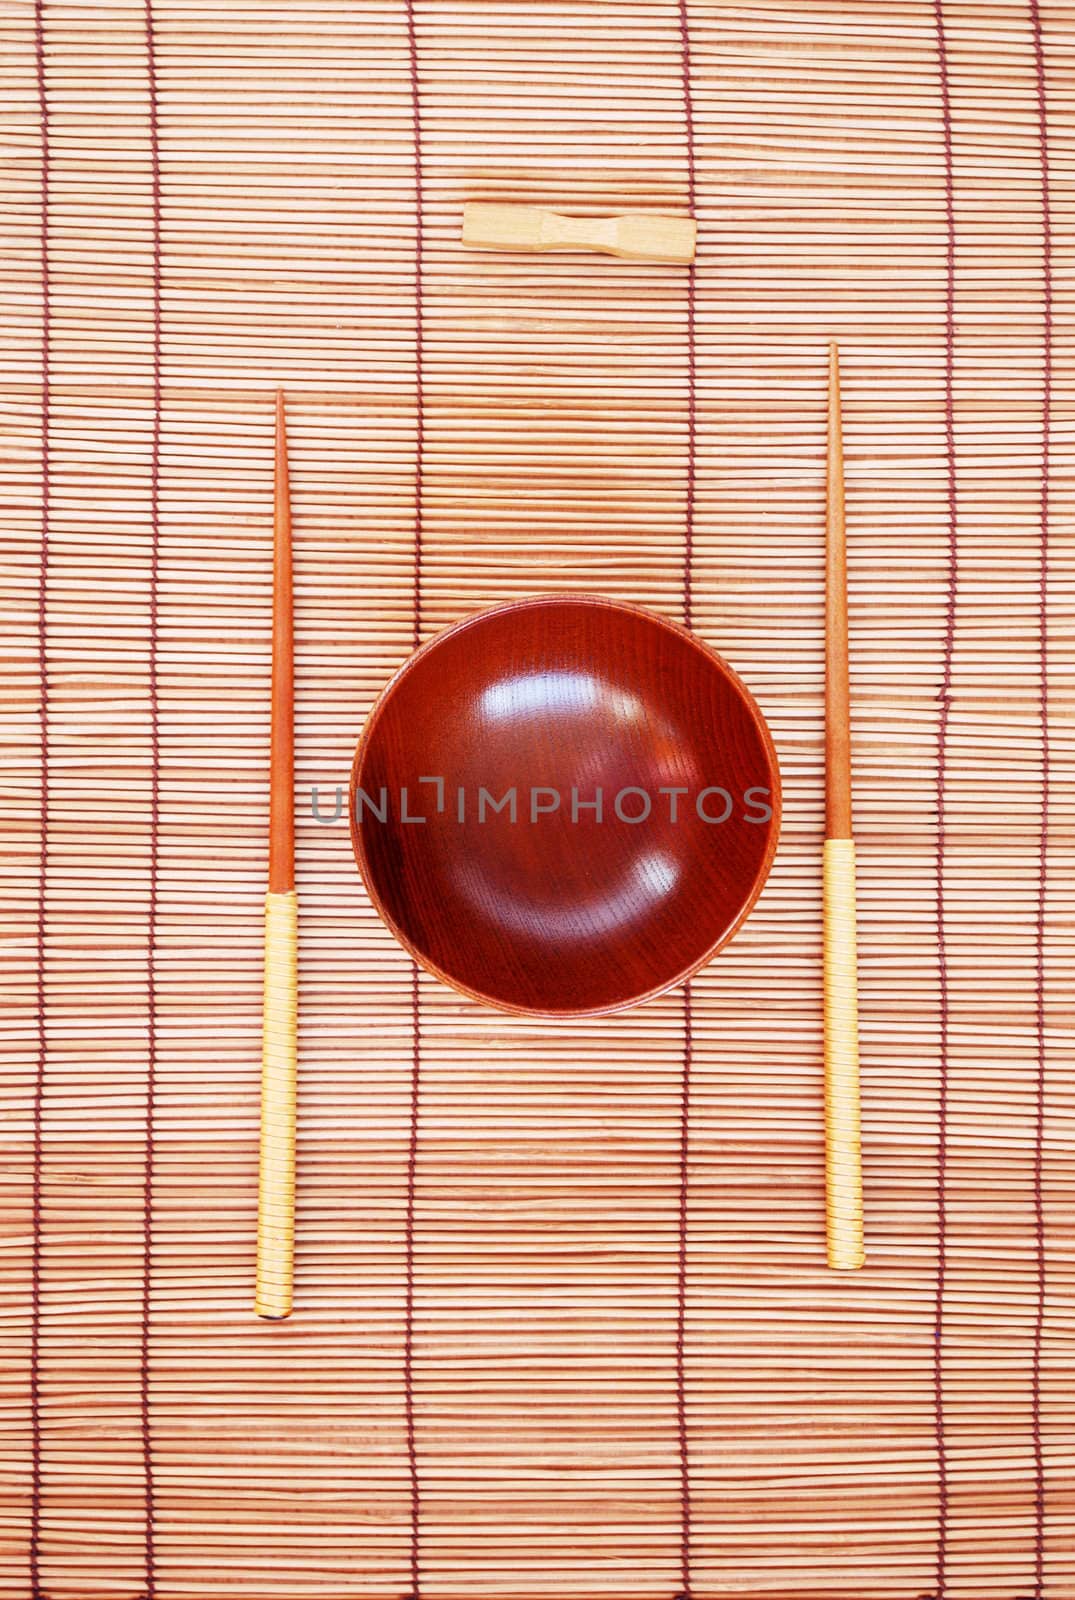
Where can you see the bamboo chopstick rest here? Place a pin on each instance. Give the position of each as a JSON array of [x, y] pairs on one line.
[[843, 1150], [634, 235], [279, 1054]]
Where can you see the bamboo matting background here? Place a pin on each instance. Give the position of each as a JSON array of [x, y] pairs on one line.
[[203, 201]]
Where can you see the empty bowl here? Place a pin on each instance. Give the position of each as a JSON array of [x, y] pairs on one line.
[[564, 806]]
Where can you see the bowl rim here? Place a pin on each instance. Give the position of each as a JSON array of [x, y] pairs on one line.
[[568, 597]]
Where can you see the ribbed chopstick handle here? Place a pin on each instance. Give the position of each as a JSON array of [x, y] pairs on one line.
[[843, 1145], [279, 1059]]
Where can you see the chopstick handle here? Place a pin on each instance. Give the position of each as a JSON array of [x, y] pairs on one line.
[[843, 1147], [279, 1059]]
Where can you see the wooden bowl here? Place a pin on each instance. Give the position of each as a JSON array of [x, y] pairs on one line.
[[558, 911]]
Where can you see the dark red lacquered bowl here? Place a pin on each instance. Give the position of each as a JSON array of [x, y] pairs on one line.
[[556, 910]]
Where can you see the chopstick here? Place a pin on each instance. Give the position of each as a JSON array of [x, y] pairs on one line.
[[279, 1058], [843, 1151]]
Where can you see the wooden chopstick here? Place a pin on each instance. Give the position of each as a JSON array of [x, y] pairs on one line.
[[279, 1060], [843, 1152]]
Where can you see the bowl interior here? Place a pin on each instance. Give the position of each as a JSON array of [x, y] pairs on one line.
[[502, 735]]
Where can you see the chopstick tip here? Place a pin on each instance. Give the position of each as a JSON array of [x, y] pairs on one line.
[[834, 376]]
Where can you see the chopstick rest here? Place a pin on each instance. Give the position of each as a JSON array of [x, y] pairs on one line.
[[843, 1145], [633, 235], [279, 1050]]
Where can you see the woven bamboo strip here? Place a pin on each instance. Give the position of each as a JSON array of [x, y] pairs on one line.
[[555, 447]]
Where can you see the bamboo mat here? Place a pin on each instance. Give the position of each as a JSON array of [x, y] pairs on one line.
[[563, 1323]]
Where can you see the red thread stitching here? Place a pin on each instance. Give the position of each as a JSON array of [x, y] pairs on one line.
[[681, 1301], [408, 1321], [34, 1554], [154, 821], [692, 397], [1043, 855], [416, 1058], [419, 319], [945, 699], [683, 1439]]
